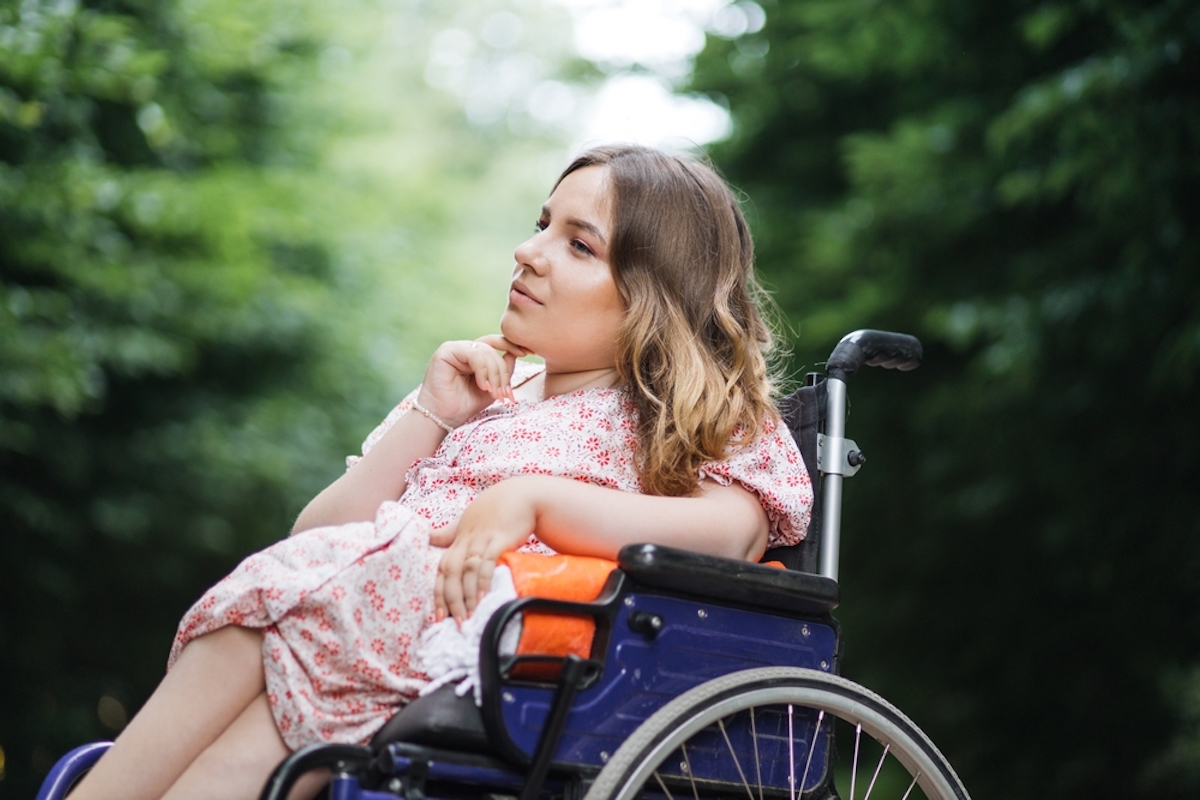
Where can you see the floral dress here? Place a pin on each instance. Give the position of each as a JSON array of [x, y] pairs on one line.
[[342, 608]]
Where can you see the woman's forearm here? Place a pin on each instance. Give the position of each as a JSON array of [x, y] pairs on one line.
[[462, 379], [577, 518], [377, 477], [583, 519]]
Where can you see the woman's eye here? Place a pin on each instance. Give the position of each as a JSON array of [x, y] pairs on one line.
[[581, 247], [540, 226]]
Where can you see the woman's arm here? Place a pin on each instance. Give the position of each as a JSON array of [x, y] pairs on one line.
[[461, 380], [376, 478], [584, 519]]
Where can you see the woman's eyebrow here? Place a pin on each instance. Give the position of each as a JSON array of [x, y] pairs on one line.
[[589, 227], [575, 222]]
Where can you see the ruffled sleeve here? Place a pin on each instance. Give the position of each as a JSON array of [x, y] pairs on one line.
[[772, 468]]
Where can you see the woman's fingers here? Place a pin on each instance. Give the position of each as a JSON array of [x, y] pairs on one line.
[[440, 605], [498, 342], [462, 581], [463, 377], [483, 580], [489, 369], [509, 352], [493, 358], [500, 519], [448, 591], [470, 582]]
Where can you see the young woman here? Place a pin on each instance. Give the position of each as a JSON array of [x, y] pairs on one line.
[[651, 420]]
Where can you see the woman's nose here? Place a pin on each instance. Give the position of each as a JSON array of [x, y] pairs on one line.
[[529, 254]]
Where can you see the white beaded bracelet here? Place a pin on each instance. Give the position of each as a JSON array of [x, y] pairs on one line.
[[432, 417]]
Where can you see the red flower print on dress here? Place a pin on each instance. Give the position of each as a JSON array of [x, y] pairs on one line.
[[340, 608]]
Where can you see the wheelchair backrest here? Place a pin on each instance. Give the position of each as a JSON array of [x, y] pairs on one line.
[[804, 412], [818, 410]]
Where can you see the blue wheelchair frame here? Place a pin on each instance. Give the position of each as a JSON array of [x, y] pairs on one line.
[[666, 621]]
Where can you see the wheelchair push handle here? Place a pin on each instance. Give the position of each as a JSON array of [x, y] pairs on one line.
[[873, 349], [842, 456]]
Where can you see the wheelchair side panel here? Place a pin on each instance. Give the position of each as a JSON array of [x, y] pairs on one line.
[[698, 641]]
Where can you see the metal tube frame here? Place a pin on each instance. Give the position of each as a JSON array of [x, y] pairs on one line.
[[831, 480]]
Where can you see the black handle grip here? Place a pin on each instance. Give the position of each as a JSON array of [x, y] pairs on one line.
[[873, 349]]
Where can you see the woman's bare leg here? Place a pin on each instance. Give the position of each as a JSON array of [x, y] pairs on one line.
[[215, 678], [238, 763]]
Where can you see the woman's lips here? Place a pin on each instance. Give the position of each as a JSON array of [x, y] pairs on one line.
[[520, 295]]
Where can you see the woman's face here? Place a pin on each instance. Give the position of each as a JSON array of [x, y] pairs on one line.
[[563, 304]]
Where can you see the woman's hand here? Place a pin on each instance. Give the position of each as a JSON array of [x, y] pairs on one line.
[[497, 521], [465, 377]]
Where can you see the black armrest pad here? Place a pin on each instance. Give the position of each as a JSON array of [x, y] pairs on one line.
[[739, 582]]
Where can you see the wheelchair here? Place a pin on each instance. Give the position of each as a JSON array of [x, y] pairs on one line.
[[708, 678]]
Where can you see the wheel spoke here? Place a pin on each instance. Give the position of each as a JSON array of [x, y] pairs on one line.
[[792, 757], [812, 746], [757, 761], [687, 766], [879, 766], [736, 763], [908, 791], [663, 786], [854, 764]]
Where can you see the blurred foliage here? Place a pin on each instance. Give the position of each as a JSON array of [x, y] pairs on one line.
[[230, 235], [1017, 184]]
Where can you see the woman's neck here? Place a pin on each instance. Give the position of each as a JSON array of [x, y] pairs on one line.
[[556, 383]]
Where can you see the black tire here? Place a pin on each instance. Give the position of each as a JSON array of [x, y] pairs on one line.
[[768, 710]]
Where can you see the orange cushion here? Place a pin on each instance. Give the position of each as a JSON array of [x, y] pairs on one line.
[[575, 578]]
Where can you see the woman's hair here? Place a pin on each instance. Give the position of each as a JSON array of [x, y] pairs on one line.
[[693, 346]]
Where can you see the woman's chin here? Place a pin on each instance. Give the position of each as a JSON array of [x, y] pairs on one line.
[[511, 331]]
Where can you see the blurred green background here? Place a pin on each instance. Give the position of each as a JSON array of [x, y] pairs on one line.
[[231, 233]]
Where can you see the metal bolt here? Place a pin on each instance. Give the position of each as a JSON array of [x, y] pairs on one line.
[[804, 630], [629, 602], [701, 613], [824, 664], [683, 767], [508, 697], [604, 756]]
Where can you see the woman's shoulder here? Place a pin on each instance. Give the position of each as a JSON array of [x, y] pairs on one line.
[[770, 465]]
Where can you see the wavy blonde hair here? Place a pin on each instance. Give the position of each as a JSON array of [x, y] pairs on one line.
[[693, 346]]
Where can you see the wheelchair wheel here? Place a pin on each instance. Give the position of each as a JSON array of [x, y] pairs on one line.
[[778, 732]]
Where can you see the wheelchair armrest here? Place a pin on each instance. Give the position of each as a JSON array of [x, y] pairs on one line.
[[738, 582], [494, 668]]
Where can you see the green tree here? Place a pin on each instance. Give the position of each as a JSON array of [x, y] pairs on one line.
[[230, 234], [169, 388], [1017, 184]]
